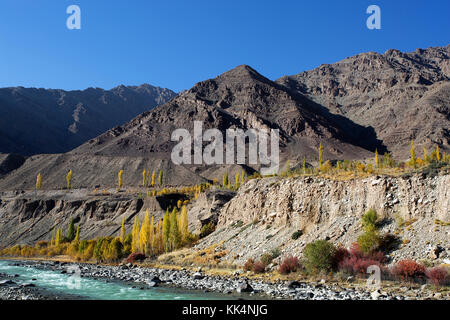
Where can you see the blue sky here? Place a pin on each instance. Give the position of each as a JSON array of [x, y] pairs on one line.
[[175, 44]]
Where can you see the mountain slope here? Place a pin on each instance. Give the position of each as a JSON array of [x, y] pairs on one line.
[[55, 121], [403, 96], [239, 98]]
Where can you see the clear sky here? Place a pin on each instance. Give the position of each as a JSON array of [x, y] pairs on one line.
[[175, 44]]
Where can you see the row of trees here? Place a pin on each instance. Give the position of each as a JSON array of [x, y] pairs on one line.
[[238, 180], [168, 234], [145, 182]]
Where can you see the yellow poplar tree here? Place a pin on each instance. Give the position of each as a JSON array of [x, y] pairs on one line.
[[144, 176], [38, 181], [151, 234], [144, 236], [77, 235], [184, 225], [238, 181], [153, 178], [120, 179], [438, 154], [69, 179], [135, 236], [425, 156]]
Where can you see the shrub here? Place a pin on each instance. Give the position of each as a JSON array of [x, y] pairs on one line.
[[259, 267], [369, 219], [369, 241], [356, 262], [289, 264], [266, 258], [275, 253], [319, 256], [437, 275], [296, 235], [135, 256], [207, 229], [409, 270], [248, 266]]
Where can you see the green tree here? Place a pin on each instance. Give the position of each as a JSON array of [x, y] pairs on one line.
[[58, 237], [238, 181], [71, 231], [369, 220], [318, 256], [242, 177], [288, 168]]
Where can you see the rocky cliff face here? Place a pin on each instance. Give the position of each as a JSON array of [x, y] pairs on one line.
[[266, 212], [27, 217]]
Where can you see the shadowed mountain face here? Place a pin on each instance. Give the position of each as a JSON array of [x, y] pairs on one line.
[[240, 98], [402, 96], [55, 121]]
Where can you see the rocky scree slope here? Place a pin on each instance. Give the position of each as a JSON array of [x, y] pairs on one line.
[[266, 212]]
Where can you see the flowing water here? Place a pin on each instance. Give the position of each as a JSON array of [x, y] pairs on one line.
[[56, 283]]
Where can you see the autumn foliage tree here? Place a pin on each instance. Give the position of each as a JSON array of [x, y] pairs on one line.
[[38, 181], [69, 179], [120, 176]]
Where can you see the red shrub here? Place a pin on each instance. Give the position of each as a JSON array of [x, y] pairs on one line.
[[136, 256], [356, 262], [259, 267], [248, 266], [409, 270], [289, 264], [437, 275]]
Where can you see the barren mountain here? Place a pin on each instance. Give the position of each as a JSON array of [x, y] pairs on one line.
[[240, 98], [54, 121], [403, 96]]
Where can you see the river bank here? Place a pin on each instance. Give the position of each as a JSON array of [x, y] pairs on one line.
[[237, 286]]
